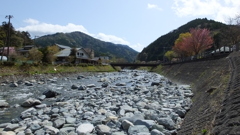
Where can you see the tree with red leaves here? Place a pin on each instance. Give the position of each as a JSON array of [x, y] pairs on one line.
[[194, 42], [199, 41]]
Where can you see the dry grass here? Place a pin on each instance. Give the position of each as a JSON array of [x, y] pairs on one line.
[[29, 70]]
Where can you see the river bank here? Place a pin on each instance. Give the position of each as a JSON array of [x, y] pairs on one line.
[[117, 103], [211, 82], [28, 70]]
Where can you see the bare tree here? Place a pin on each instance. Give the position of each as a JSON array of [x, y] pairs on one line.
[[231, 34]]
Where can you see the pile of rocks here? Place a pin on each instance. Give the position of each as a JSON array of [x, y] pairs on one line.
[[146, 104]]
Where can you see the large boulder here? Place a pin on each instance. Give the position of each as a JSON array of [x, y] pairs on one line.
[[74, 86], [31, 102], [14, 84], [8, 133], [85, 128], [138, 129], [91, 85], [147, 123], [3, 104], [51, 130], [156, 132], [50, 93], [181, 112], [58, 123], [121, 84], [34, 127], [105, 84], [126, 124], [70, 120], [11, 127], [82, 87], [167, 123], [103, 130]]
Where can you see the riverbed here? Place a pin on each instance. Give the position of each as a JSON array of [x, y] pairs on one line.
[[125, 102]]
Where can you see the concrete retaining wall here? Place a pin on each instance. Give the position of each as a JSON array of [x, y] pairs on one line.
[[216, 101]]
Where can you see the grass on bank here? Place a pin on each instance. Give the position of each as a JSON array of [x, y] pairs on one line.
[[30, 69]]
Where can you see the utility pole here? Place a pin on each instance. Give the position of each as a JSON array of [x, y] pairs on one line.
[[8, 34]]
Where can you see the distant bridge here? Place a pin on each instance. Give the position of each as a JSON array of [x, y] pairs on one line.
[[135, 65]]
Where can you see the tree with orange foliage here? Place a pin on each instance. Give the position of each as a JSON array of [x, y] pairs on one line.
[[179, 45]]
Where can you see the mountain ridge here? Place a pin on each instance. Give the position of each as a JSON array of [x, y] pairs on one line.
[[78, 39], [155, 50]]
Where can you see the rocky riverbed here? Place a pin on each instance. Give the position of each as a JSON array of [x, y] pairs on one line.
[[130, 102]]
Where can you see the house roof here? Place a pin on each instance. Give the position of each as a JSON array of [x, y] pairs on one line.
[[64, 53], [89, 50], [63, 46]]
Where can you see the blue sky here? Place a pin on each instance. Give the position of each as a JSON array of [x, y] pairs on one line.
[[136, 23]]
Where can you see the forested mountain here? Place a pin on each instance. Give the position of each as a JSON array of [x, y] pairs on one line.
[[156, 49], [79, 39]]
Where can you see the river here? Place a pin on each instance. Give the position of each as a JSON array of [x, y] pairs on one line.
[[141, 91]]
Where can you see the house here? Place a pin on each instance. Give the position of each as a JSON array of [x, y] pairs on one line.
[[25, 50], [63, 55], [4, 51], [85, 55], [90, 52], [223, 49]]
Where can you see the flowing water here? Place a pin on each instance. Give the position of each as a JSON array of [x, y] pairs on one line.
[[16, 95]]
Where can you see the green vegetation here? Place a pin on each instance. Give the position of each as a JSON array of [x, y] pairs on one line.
[[17, 38], [204, 131], [116, 52], [222, 34], [170, 55], [30, 69]]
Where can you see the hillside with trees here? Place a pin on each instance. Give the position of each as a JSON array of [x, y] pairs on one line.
[[222, 35], [19, 39], [16, 38], [116, 52]]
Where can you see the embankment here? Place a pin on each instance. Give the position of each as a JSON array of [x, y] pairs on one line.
[[216, 101], [13, 73]]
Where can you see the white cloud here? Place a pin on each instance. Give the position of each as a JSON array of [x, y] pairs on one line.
[[111, 38], [31, 21], [36, 28], [152, 6], [220, 10], [138, 47]]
